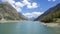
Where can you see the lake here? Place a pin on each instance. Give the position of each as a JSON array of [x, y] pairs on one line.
[[28, 27]]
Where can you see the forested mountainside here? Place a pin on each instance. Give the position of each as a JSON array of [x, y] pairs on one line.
[[51, 15], [7, 12]]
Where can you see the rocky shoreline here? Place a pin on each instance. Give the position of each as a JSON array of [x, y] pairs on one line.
[[52, 24]]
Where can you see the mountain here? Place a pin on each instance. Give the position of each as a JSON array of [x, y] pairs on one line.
[[51, 15], [31, 19], [7, 12]]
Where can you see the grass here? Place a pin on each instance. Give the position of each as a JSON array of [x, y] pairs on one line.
[[58, 20]]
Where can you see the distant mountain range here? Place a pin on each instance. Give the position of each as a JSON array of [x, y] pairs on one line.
[[7, 12], [51, 15]]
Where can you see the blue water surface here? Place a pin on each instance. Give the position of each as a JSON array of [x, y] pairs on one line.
[[28, 27]]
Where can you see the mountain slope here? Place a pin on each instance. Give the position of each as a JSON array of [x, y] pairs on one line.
[[7, 12], [51, 15]]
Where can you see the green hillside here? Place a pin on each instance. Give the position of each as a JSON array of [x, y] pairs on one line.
[[7, 12], [54, 16]]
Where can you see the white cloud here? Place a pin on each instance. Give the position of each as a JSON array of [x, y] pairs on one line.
[[29, 4], [37, 13], [33, 5], [26, 2], [19, 5], [10, 1], [18, 9], [52, 0], [49, 0], [33, 14]]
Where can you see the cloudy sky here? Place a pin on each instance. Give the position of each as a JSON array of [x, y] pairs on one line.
[[32, 8]]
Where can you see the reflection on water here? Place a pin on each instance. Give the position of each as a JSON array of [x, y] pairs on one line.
[[27, 28]]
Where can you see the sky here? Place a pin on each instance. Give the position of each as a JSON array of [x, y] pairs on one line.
[[32, 8]]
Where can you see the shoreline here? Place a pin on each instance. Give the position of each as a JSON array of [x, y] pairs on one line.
[[6, 21], [51, 24], [12, 21], [45, 24]]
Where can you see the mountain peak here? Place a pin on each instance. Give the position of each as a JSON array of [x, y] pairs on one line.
[[8, 12]]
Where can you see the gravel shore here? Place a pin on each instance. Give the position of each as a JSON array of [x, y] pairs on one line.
[[12, 21], [52, 24]]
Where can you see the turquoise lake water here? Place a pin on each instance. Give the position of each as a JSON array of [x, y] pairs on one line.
[[27, 28]]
